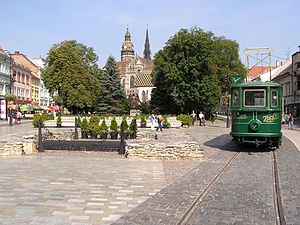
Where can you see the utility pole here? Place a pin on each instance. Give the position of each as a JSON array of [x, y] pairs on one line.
[[227, 94]]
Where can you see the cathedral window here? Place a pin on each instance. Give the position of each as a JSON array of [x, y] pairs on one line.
[[124, 83], [132, 82], [143, 96]]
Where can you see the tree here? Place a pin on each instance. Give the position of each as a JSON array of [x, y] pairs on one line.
[[71, 74], [188, 71], [112, 98]]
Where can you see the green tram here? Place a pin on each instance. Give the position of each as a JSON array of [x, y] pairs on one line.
[[256, 109]]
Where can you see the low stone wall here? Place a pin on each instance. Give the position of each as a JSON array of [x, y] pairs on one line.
[[18, 148], [186, 151], [171, 144]]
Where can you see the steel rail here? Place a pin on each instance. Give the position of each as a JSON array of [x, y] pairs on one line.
[[190, 211], [280, 219]]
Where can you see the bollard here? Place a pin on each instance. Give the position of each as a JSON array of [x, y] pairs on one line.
[[122, 143], [40, 145], [76, 131]]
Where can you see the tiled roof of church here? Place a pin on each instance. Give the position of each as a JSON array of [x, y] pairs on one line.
[[148, 62], [122, 66], [144, 79]]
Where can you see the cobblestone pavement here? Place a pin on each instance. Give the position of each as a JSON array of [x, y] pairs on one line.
[[69, 187], [288, 160], [103, 188], [243, 196], [69, 190]]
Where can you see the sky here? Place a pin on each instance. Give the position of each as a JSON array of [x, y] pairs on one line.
[[34, 26]]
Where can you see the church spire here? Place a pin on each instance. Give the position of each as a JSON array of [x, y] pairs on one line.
[[147, 51], [127, 47]]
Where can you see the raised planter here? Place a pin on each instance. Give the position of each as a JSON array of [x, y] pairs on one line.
[[82, 145]]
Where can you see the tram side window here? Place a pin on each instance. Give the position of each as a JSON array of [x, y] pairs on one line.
[[235, 98], [274, 98], [254, 98]]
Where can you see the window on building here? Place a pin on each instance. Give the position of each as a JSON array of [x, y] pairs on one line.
[[123, 83], [132, 82], [143, 96]]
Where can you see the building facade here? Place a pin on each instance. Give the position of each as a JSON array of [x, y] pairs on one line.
[[5, 80], [5, 72], [22, 84], [289, 78], [35, 75], [135, 71]]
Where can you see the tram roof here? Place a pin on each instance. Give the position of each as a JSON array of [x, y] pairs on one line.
[[257, 84]]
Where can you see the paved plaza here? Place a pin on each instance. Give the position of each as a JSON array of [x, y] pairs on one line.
[[105, 188], [69, 190]]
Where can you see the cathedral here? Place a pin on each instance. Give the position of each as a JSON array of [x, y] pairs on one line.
[[135, 71]]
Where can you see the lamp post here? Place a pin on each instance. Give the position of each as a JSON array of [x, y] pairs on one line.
[[229, 63]]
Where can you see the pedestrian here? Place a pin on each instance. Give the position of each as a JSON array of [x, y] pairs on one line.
[[160, 120], [193, 117], [202, 119], [152, 119], [291, 121], [18, 115]]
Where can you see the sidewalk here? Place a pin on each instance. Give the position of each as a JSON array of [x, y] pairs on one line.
[[293, 135]]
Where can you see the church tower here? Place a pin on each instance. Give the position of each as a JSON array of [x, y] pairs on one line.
[[127, 47], [147, 51]]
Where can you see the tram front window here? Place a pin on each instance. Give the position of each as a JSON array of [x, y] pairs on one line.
[[254, 98]]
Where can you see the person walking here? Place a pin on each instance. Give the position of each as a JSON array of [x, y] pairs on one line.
[[152, 119], [291, 121], [202, 119], [193, 117], [18, 119], [160, 119]]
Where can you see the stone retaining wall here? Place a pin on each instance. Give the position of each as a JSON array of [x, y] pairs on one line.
[[18, 148], [184, 151], [171, 144]]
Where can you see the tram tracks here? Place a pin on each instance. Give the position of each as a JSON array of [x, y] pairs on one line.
[[280, 219], [279, 212], [195, 205]]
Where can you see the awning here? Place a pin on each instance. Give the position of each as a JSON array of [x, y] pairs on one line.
[[25, 108], [45, 108], [36, 107], [54, 108]]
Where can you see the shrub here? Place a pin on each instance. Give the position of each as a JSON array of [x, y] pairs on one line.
[[125, 124], [58, 121], [166, 123], [133, 128], [94, 119], [185, 119], [78, 121], [38, 119], [84, 127], [103, 126], [143, 121], [113, 125]]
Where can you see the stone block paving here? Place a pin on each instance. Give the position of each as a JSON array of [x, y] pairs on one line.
[[74, 190], [244, 195], [168, 206], [288, 163]]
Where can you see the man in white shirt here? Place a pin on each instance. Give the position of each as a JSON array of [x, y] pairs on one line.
[[202, 119]]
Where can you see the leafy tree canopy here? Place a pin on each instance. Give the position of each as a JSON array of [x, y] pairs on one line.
[[71, 74], [189, 71]]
